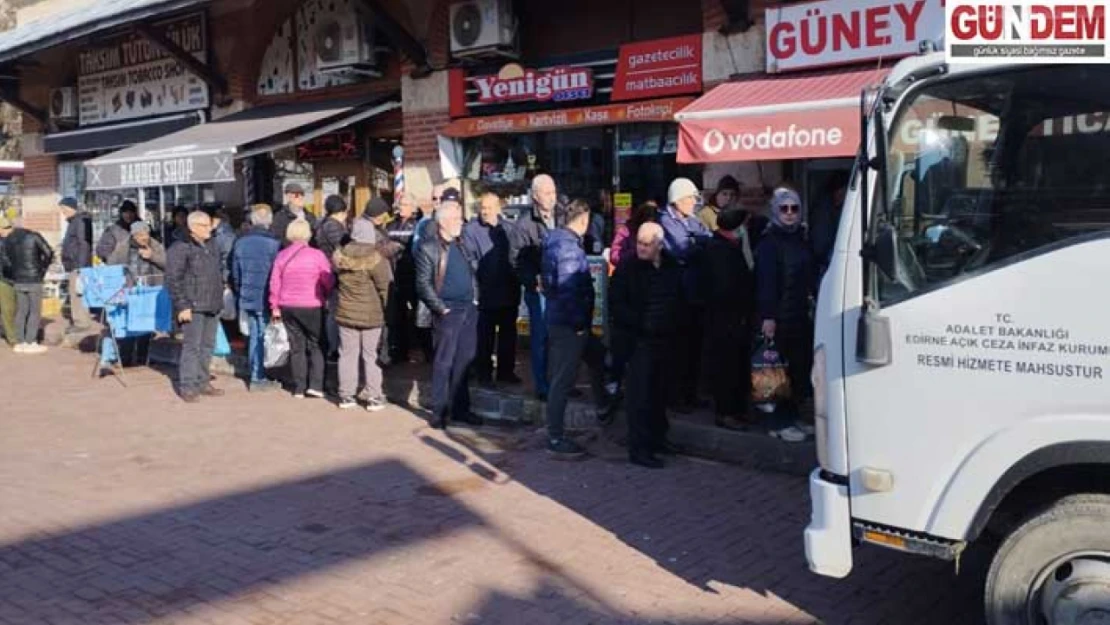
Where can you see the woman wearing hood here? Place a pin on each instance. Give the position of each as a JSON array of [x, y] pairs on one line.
[[785, 285], [364, 278]]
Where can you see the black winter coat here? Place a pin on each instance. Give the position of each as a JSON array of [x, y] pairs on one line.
[[488, 247], [785, 278], [330, 235], [77, 242], [728, 282], [644, 301], [286, 216], [526, 248], [194, 276], [431, 267], [27, 257], [401, 232]]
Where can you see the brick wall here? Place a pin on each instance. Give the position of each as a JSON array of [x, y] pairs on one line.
[[40, 172]]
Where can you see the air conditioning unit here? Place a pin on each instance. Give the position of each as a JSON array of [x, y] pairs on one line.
[[483, 28], [345, 46], [63, 104]]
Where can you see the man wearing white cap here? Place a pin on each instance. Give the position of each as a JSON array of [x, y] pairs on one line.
[[685, 238]]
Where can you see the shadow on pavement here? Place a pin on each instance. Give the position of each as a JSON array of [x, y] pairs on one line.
[[744, 530]]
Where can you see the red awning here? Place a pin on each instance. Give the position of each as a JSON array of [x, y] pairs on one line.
[[775, 118]]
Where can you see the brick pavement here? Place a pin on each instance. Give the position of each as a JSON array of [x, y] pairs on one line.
[[126, 506]]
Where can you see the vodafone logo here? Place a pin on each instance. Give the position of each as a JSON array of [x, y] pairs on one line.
[[769, 138]]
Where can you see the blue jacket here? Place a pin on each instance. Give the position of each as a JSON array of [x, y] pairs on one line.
[[225, 241], [252, 258], [488, 249], [685, 238], [567, 284]]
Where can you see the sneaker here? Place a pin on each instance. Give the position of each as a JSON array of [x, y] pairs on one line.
[[565, 449], [789, 435], [376, 404], [347, 403], [807, 428], [35, 348], [20, 348], [298, 395], [316, 394]]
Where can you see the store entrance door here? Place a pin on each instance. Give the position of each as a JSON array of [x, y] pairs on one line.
[[348, 180], [819, 174]]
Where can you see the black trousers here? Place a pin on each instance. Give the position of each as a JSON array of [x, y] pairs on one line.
[[647, 395], [566, 350], [728, 340], [455, 345], [496, 326], [795, 343], [306, 353], [198, 342], [134, 351], [402, 323], [686, 356]]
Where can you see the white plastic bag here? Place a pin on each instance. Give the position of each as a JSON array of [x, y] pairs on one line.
[[230, 307], [244, 323], [276, 343]]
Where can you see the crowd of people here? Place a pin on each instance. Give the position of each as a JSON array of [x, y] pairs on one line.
[[367, 290]]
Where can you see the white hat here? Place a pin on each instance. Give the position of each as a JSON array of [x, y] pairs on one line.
[[680, 188]]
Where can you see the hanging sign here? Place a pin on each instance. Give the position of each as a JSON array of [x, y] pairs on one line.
[[129, 77], [514, 83], [662, 110], [342, 145], [653, 69]]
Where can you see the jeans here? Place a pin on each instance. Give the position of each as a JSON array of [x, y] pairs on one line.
[[134, 350], [79, 316], [455, 345], [497, 325], [537, 327], [199, 341], [354, 344], [306, 356], [647, 395], [567, 350], [7, 311], [28, 312], [256, 345]]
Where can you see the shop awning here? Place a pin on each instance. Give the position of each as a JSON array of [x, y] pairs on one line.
[[811, 116], [662, 110], [117, 136], [206, 153]]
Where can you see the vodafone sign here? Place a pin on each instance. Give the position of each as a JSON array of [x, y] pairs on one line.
[[838, 32], [824, 133]]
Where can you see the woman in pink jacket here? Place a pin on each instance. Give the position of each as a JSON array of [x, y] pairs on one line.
[[300, 283]]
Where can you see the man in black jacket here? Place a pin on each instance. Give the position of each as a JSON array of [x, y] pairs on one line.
[[401, 316], [525, 252], [27, 258], [294, 210], [446, 283], [330, 235], [486, 239], [76, 255], [645, 301], [196, 286]]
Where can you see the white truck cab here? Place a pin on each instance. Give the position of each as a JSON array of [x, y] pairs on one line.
[[962, 353]]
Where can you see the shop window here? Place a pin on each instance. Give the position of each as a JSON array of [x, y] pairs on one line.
[[985, 173]]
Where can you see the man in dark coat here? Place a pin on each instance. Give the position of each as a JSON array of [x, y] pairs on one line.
[[196, 286], [645, 307], [486, 239], [252, 258], [525, 253], [446, 283], [330, 235], [119, 232], [569, 289], [27, 259], [145, 260], [293, 210], [401, 316], [729, 288], [685, 238], [76, 255]]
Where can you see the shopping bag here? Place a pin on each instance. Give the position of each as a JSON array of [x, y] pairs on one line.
[[142, 308], [102, 283], [424, 318], [244, 323], [223, 348], [276, 343], [770, 378], [230, 308]]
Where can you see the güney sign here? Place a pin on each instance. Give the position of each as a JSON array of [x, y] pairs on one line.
[[837, 32]]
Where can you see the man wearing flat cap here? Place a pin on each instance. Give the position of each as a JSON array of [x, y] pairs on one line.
[[294, 209]]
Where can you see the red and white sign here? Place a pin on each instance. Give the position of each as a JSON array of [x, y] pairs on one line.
[[1048, 31], [517, 84], [665, 67], [661, 110], [838, 32], [821, 133]]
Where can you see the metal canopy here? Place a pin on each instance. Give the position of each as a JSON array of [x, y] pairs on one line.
[[205, 153]]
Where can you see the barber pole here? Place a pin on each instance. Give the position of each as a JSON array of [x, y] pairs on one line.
[[398, 174]]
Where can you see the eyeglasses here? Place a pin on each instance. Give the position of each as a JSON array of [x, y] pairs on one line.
[[790, 208]]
